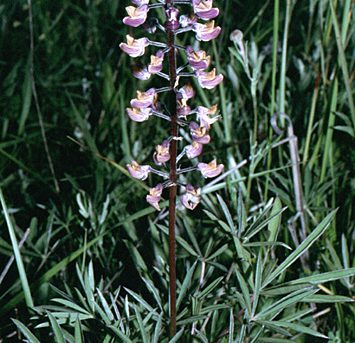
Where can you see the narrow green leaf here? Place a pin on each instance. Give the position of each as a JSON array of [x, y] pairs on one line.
[[120, 334], [245, 291], [154, 291], [141, 325], [157, 329], [186, 283], [323, 299], [176, 338], [26, 332], [140, 300], [274, 224], [58, 334], [17, 254], [70, 305], [324, 277], [285, 302], [78, 332], [315, 234], [227, 214], [296, 327], [218, 252], [209, 288]]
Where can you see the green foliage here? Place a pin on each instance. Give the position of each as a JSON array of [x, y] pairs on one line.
[[94, 260]]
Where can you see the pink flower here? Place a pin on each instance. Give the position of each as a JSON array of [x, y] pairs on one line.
[[194, 150], [142, 73], [191, 198], [186, 92], [209, 80], [154, 196], [162, 154], [183, 109], [173, 18], [144, 99], [209, 170], [137, 171], [205, 115], [136, 16], [134, 47], [139, 114], [186, 21], [140, 2], [204, 9], [206, 32], [198, 60], [199, 133], [156, 62]]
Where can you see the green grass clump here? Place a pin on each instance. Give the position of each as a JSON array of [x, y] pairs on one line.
[[265, 258]]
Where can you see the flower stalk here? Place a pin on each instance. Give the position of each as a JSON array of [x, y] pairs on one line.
[[176, 105]]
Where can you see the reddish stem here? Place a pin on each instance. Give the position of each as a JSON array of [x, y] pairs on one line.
[[173, 176]]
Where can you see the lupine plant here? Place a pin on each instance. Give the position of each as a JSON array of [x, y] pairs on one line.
[[198, 19]]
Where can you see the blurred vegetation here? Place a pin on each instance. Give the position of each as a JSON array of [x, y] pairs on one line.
[[97, 245]]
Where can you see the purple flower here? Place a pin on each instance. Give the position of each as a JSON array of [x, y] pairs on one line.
[[206, 32], [144, 99], [173, 18], [199, 133], [139, 114], [186, 21], [209, 170], [154, 196], [194, 150], [162, 154], [140, 2], [183, 109], [156, 62], [134, 47], [136, 16], [142, 73], [198, 60], [137, 171], [204, 10], [209, 80], [205, 115], [186, 92], [191, 198]]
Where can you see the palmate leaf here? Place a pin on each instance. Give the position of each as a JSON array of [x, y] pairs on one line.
[[315, 234]]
